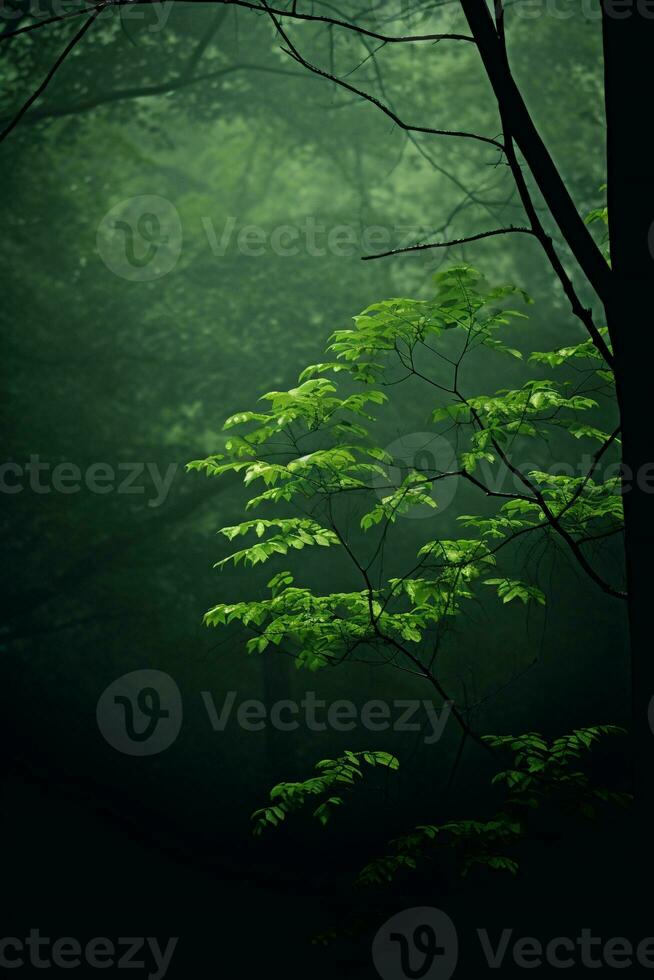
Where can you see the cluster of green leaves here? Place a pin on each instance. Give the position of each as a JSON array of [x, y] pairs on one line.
[[510, 413], [315, 451], [541, 772], [541, 769], [293, 532], [462, 301], [319, 626], [509, 589], [315, 443], [333, 777]]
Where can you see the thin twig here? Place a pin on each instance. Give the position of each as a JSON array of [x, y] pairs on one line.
[[293, 53], [48, 78], [422, 246]]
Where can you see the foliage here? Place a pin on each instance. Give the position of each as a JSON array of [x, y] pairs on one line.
[[333, 774], [314, 450], [317, 451], [542, 772], [129, 371]]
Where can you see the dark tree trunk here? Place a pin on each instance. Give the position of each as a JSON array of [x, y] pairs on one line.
[[546, 175], [627, 292], [628, 52]]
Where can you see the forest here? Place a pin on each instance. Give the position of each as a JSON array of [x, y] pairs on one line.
[[328, 489]]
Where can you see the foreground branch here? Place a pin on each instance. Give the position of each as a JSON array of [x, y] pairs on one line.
[[421, 247], [532, 147], [293, 52], [48, 78]]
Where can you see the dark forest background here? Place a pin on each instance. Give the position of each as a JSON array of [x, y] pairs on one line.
[[196, 104]]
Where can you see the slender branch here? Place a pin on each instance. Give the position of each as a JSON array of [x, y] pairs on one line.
[[291, 14], [579, 310], [391, 641], [532, 147], [48, 78], [593, 466], [293, 52], [438, 687], [553, 519], [422, 246], [148, 91], [49, 20]]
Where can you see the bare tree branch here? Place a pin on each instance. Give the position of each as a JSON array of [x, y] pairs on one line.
[[580, 311], [293, 52], [292, 14], [421, 247], [522, 128], [148, 91], [48, 78]]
